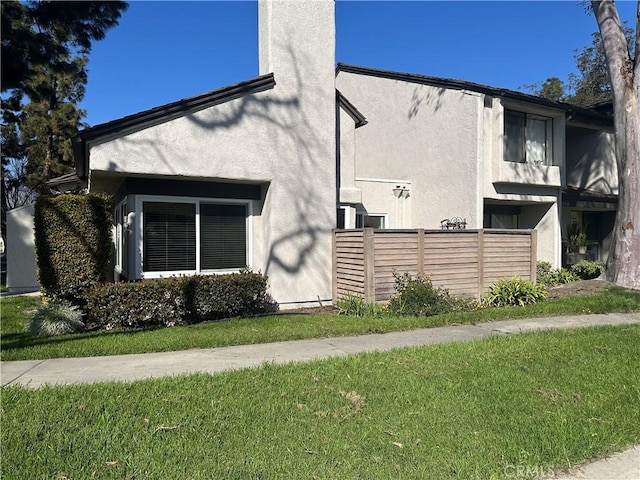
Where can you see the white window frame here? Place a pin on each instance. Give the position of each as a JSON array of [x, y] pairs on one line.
[[139, 201], [384, 216], [549, 129], [120, 220], [347, 215]]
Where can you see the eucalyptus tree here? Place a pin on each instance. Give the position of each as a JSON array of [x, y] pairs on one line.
[[623, 266]]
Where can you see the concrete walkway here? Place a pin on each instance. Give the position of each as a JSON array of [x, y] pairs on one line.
[[64, 371]]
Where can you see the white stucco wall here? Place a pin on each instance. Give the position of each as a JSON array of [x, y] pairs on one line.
[[502, 172], [535, 188], [424, 136], [448, 144], [20, 251], [283, 138], [349, 193]]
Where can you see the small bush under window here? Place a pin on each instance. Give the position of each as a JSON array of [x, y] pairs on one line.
[[178, 300]]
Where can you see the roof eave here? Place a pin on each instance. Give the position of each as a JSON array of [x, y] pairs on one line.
[[350, 108], [597, 117]]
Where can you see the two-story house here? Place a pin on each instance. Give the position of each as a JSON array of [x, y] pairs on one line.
[[437, 148], [258, 174]]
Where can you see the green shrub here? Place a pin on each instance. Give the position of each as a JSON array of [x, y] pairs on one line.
[[233, 295], [588, 269], [73, 243], [178, 300], [418, 297], [54, 318], [355, 306], [550, 277], [514, 292], [543, 268]]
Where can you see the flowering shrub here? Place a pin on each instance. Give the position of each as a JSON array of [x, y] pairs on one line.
[[178, 300]]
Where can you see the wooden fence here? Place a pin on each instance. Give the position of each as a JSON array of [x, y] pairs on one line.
[[465, 262]]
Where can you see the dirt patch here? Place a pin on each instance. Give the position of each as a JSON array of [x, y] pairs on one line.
[[579, 288]]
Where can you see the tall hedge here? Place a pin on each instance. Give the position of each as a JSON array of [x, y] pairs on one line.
[[73, 243]]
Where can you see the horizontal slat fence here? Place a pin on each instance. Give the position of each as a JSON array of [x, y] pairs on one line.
[[465, 262]]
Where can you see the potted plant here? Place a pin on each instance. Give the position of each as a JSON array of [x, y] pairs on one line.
[[579, 241]]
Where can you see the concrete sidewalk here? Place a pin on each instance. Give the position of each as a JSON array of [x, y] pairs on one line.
[[621, 466], [63, 371]]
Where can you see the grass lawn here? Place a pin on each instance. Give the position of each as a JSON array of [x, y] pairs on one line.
[[527, 403], [18, 345]]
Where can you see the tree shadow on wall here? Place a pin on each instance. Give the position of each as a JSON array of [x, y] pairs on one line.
[[285, 127]]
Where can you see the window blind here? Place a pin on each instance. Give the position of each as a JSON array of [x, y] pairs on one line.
[[223, 236], [169, 234]]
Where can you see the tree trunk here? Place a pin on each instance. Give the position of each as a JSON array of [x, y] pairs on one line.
[[623, 266]]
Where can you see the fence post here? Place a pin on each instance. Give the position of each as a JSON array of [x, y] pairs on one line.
[[480, 263], [334, 267], [420, 251], [369, 265], [534, 255]]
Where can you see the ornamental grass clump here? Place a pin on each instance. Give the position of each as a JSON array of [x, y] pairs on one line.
[[54, 318], [514, 292], [355, 306]]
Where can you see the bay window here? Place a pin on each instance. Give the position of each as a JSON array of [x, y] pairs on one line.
[[182, 235]]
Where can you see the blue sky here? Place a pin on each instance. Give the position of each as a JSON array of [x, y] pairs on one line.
[[164, 51]]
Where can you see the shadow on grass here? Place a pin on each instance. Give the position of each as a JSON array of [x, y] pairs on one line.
[[17, 341]]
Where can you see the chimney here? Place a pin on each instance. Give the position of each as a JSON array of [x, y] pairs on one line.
[[297, 42]]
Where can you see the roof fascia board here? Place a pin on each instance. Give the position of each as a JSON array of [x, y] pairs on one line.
[[181, 107], [351, 110], [572, 110]]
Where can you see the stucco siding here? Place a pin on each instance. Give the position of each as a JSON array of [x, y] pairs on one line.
[[420, 134], [349, 193], [282, 138]]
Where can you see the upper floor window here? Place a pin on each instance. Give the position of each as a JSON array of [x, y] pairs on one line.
[[527, 138]]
